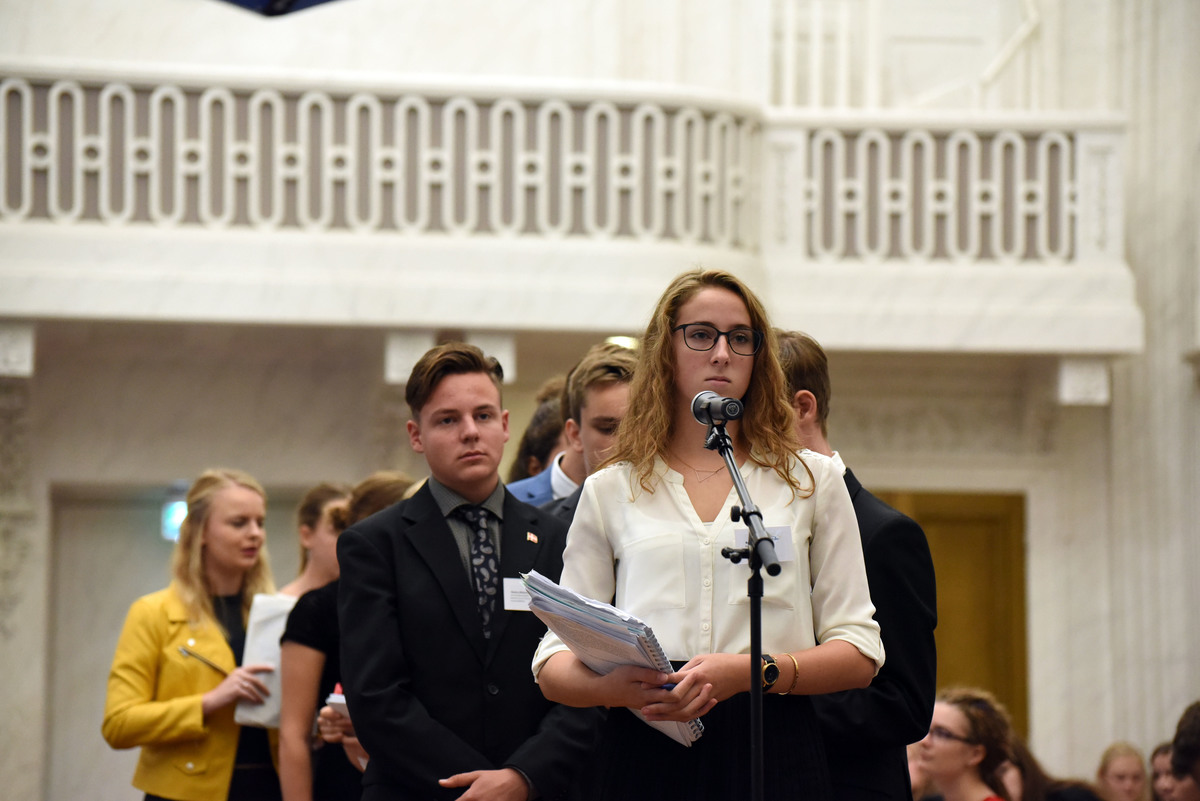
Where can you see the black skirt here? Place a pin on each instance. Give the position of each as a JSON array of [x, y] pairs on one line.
[[633, 760]]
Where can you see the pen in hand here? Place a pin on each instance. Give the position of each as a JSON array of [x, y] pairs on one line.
[[184, 650]]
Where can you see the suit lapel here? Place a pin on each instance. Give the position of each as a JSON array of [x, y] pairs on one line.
[[519, 547], [852, 484], [430, 536]]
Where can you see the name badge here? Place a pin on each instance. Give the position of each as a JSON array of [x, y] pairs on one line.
[[785, 548], [516, 597]]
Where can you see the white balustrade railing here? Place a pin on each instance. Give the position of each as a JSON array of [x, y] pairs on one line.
[[135, 152], [1007, 190], [552, 165]]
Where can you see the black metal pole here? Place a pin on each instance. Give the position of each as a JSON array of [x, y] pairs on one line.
[[760, 552]]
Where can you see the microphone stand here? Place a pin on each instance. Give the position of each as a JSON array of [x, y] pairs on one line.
[[760, 550]]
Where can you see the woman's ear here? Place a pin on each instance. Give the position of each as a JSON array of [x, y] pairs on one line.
[[306, 535], [977, 753]]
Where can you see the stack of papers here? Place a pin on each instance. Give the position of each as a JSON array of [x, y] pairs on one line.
[[604, 638]]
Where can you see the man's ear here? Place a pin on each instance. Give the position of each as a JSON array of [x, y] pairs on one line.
[[414, 436], [805, 404], [571, 432]]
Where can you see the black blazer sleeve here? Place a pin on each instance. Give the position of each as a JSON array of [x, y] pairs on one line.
[[896, 708]]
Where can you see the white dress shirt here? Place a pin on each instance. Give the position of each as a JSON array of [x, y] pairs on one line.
[[650, 554]]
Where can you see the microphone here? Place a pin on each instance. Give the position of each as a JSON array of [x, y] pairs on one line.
[[709, 408]]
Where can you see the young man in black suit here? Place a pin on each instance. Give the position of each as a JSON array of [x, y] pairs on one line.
[[435, 645], [866, 731]]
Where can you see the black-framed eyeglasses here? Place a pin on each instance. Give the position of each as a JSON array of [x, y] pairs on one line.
[[939, 733], [702, 337]]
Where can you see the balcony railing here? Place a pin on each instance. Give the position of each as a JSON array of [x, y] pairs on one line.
[[121, 151], [1004, 188]]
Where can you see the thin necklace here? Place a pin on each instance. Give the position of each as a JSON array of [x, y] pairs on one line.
[[699, 478]]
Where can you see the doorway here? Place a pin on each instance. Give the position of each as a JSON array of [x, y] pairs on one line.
[[978, 547]]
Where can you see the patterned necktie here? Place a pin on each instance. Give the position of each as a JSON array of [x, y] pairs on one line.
[[485, 569]]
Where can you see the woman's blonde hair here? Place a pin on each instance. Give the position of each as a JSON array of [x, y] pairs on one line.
[[766, 431], [1111, 754], [187, 562]]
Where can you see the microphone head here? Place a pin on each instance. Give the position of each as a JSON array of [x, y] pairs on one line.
[[710, 408]]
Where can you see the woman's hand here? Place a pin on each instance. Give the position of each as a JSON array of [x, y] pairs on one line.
[[242, 684], [700, 685], [333, 726], [355, 752], [728, 674]]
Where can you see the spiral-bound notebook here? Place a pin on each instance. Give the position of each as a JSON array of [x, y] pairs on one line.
[[604, 638]]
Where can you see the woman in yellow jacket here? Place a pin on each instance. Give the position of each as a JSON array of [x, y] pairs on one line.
[[177, 674]]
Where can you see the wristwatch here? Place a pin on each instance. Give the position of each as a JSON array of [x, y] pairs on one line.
[[770, 672]]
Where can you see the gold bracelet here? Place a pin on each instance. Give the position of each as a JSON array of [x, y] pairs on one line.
[[795, 673]]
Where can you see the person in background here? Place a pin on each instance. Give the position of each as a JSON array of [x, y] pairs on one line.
[[543, 436], [967, 744], [1027, 780], [866, 731], [318, 540], [177, 673], [919, 780], [647, 536], [595, 399], [1162, 778], [1185, 755], [1121, 775], [311, 662], [435, 650]]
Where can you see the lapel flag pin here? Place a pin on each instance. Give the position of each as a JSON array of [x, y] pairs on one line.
[[531, 537]]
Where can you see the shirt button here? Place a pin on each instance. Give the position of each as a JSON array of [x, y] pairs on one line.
[[493, 689], [191, 642], [704, 627], [707, 583]]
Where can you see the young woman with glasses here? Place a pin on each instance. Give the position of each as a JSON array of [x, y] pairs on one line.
[[967, 744], [648, 534]]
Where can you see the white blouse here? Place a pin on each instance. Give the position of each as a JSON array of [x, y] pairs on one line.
[[649, 554]]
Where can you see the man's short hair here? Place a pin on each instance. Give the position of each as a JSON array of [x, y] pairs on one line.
[[452, 358], [602, 364], [1185, 748], [805, 366]]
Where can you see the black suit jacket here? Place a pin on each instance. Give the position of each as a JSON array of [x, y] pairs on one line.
[[866, 730], [429, 695], [564, 508]]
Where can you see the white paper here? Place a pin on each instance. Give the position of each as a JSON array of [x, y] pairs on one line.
[[604, 638], [268, 617], [516, 597]]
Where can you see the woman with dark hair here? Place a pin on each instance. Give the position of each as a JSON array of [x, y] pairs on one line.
[[967, 744], [648, 534], [318, 539], [311, 664], [177, 672], [1162, 779], [1027, 780]]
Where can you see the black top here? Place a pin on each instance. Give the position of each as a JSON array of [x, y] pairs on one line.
[[313, 623], [253, 746]]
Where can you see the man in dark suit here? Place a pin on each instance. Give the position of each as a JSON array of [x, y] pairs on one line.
[[436, 644], [866, 731], [594, 400]]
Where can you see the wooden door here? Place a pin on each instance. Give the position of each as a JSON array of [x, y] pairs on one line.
[[978, 547]]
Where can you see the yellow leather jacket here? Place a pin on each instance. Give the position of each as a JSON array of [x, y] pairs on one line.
[[154, 701]]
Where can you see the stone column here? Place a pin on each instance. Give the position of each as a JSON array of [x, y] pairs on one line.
[[23, 577]]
